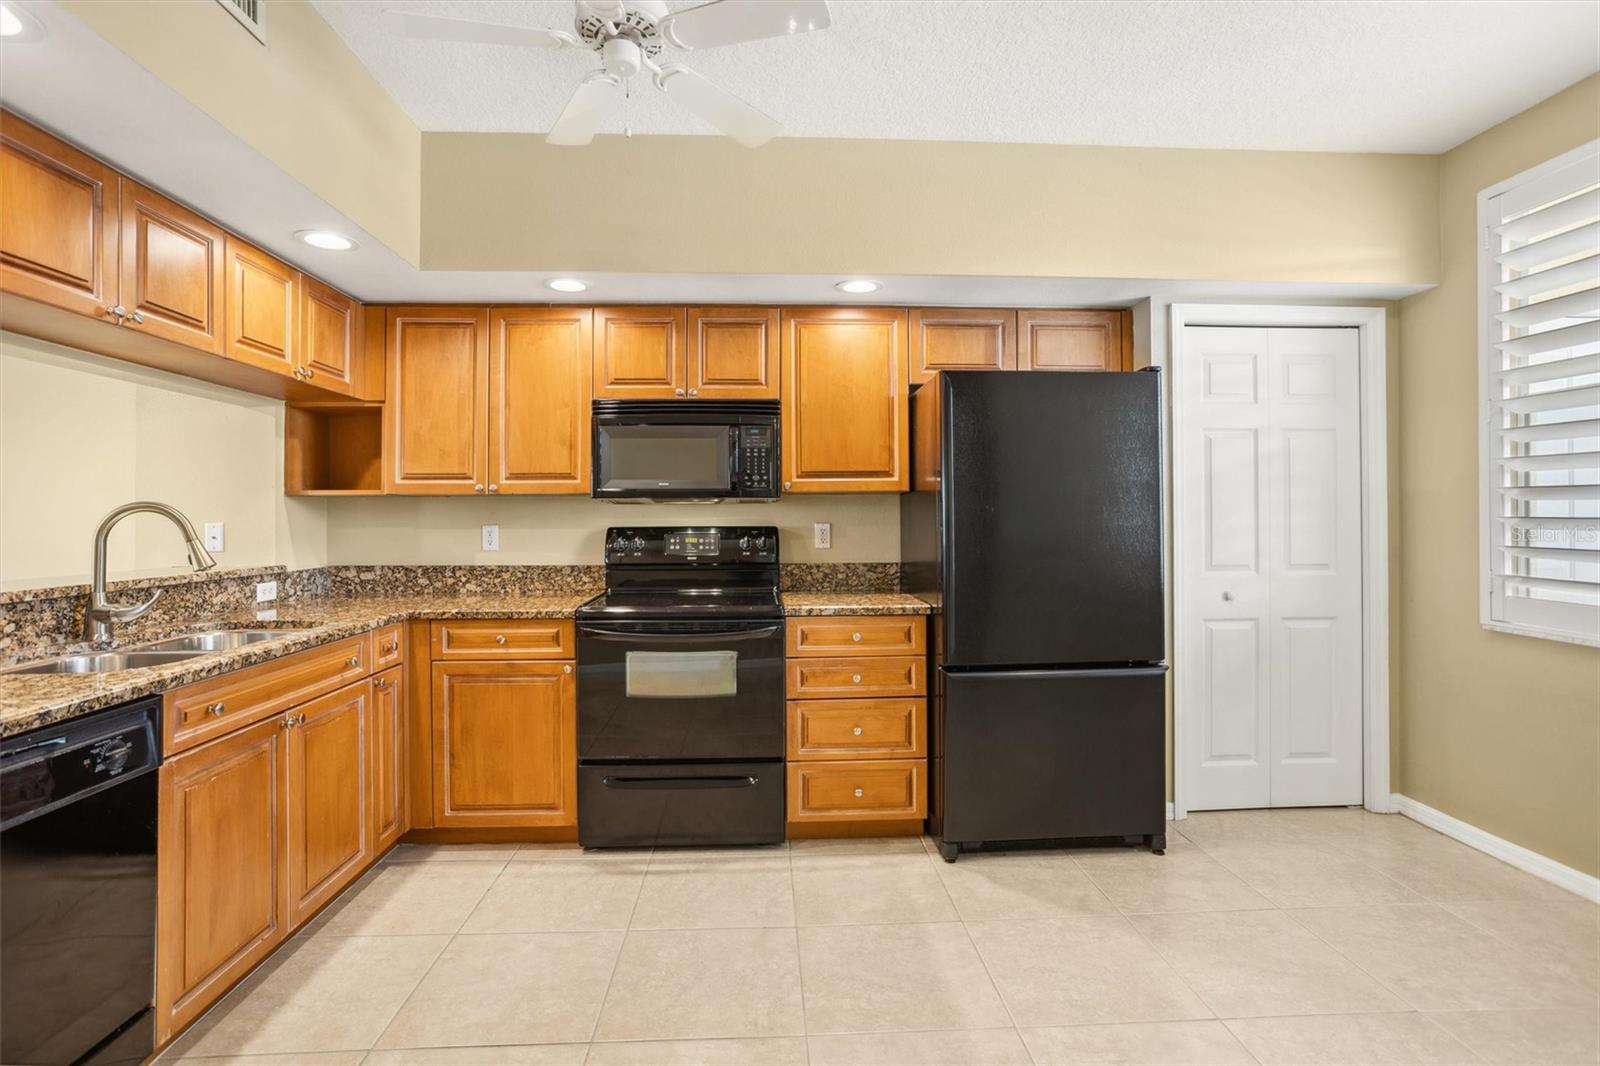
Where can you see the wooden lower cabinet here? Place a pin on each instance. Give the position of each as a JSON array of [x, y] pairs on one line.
[[222, 900], [505, 746], [859, 790], [390, 755], [329, 760]]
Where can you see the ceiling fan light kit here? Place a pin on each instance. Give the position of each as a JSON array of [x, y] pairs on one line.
[[630, 36]]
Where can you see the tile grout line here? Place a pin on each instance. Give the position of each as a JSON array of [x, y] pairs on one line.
[[616, 961], [799, 961]]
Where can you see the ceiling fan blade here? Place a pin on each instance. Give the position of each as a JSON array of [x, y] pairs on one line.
[[438, 28], [579, 122], [732, 21], [717, 106]]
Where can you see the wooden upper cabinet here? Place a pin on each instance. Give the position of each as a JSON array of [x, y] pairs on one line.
[[505, 750], [437, 378], [733, 353], [1075, 340], [330, 334], [845, 416], [639, 353], [961, 338], [260, 314], [330, 824], [171, 279], [539, 379], [221, 905], [58, 221]]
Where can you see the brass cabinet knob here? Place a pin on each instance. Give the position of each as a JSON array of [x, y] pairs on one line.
[[477, 488], [500, 638], [855, 637], [354, 660], [860, 793], [214, 708], [856, 731], [381, 682], [694, 392], [390, 648], [117, 312], [856, 678], [136, 318], [494, 488], [567, 669], [679, 391]]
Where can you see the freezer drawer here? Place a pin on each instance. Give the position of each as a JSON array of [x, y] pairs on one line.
[[1032, 755], [643, 805]]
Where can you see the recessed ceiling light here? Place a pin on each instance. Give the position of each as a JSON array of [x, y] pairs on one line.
[[18, 25], [567, 285], [858, 286], [326, 239]]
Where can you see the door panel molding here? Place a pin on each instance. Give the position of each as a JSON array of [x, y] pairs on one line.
[[1302, 381]]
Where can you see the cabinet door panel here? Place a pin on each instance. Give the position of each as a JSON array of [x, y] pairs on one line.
[[438, 399], [1074, 340], [330, 792], [539, 378], [845, 411], [58, 222], [172, 269], [260, 313], [221, 904], [733, 353], [389, 755], [638, 353], [328, 327], [957, 338], [505, 744]]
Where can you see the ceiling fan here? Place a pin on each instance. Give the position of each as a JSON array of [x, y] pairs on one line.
[[630, 35]]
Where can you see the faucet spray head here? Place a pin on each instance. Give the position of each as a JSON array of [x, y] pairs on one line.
[[199, 558]]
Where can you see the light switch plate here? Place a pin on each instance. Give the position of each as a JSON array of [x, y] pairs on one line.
[[822, 535], [214, 536], [266, 591], [491, 538]]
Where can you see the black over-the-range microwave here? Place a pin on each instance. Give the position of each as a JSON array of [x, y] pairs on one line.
[[686, 449]]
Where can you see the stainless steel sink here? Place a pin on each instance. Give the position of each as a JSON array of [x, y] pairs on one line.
[[102, 662], [218, 640]]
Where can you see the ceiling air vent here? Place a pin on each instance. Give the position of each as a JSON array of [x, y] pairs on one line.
[[251, 15]]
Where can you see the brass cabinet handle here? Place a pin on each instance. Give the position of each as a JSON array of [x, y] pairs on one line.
[[500, 638], [214, 708]]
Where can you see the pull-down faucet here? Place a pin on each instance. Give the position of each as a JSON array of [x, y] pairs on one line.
[[99, 615]]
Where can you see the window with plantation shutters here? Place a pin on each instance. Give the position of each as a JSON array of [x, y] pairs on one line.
[[1539, 303]]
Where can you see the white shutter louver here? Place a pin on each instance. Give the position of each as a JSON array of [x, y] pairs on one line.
[[1539, 304]]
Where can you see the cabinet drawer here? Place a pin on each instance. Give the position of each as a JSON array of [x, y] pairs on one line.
[[388, 646], [857, 729], [857, 635], [511, 639], [218, 705], [904, 675], [857, 791]]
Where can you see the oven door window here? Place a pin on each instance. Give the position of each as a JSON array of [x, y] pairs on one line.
[[655, 458], [678, 675]]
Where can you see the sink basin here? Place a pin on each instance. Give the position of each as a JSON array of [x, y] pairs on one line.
[[102, 662], [218, 640]]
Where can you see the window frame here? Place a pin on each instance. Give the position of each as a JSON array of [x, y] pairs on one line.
[[1487, 277]]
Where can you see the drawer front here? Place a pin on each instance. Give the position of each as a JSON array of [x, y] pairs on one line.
[[857, 729], [509, 639], [845, 678], [388, 646], [218, 705], [857, 635], [857, 791]]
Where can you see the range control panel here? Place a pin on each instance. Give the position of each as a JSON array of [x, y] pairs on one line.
[[691, 545]]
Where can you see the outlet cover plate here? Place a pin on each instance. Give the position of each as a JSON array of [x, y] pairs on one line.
[[491, 538], [822, 535], [266, 591], [213, 536]]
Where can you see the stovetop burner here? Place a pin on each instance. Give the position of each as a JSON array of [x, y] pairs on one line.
[[667, 572]]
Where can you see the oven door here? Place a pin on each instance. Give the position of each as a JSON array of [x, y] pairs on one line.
[[680, 691], [664, 460]]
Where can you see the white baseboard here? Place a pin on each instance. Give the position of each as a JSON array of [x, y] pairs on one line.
[[1169, 812], [1540, 866]]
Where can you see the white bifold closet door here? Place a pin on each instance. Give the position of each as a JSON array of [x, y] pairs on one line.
[[1269, 669]]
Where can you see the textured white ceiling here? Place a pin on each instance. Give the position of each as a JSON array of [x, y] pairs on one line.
[[1304, 74]]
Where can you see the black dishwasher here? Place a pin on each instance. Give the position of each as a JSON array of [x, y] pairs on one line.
[[78, 889]]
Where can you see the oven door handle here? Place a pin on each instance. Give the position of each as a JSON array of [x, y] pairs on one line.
[[679, 783], [680, 629]]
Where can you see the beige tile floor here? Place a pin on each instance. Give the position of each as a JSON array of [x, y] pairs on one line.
[[1274, 937]]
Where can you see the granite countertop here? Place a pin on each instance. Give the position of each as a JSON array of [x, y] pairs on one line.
[[811, 604], [28, 701]]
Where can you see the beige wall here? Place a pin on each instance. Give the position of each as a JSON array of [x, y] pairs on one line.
[[1500, 731], [80, 434], [303, 100], [563, 529], [799, 206]]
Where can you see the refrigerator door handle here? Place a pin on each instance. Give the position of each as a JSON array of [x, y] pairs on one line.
[[1146, 670]]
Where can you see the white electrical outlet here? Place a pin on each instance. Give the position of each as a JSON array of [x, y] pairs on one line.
[[213, 536], [822, 535], [266, 591], [491, 538]]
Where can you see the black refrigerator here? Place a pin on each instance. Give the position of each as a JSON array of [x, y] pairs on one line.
[[1035, 530]]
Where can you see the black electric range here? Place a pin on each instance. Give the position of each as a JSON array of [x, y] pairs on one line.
[[680, 690]]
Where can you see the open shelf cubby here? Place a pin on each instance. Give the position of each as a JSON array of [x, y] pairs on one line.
[[333, 450]]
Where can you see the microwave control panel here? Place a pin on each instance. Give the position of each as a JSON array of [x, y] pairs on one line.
[[757, 472]]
